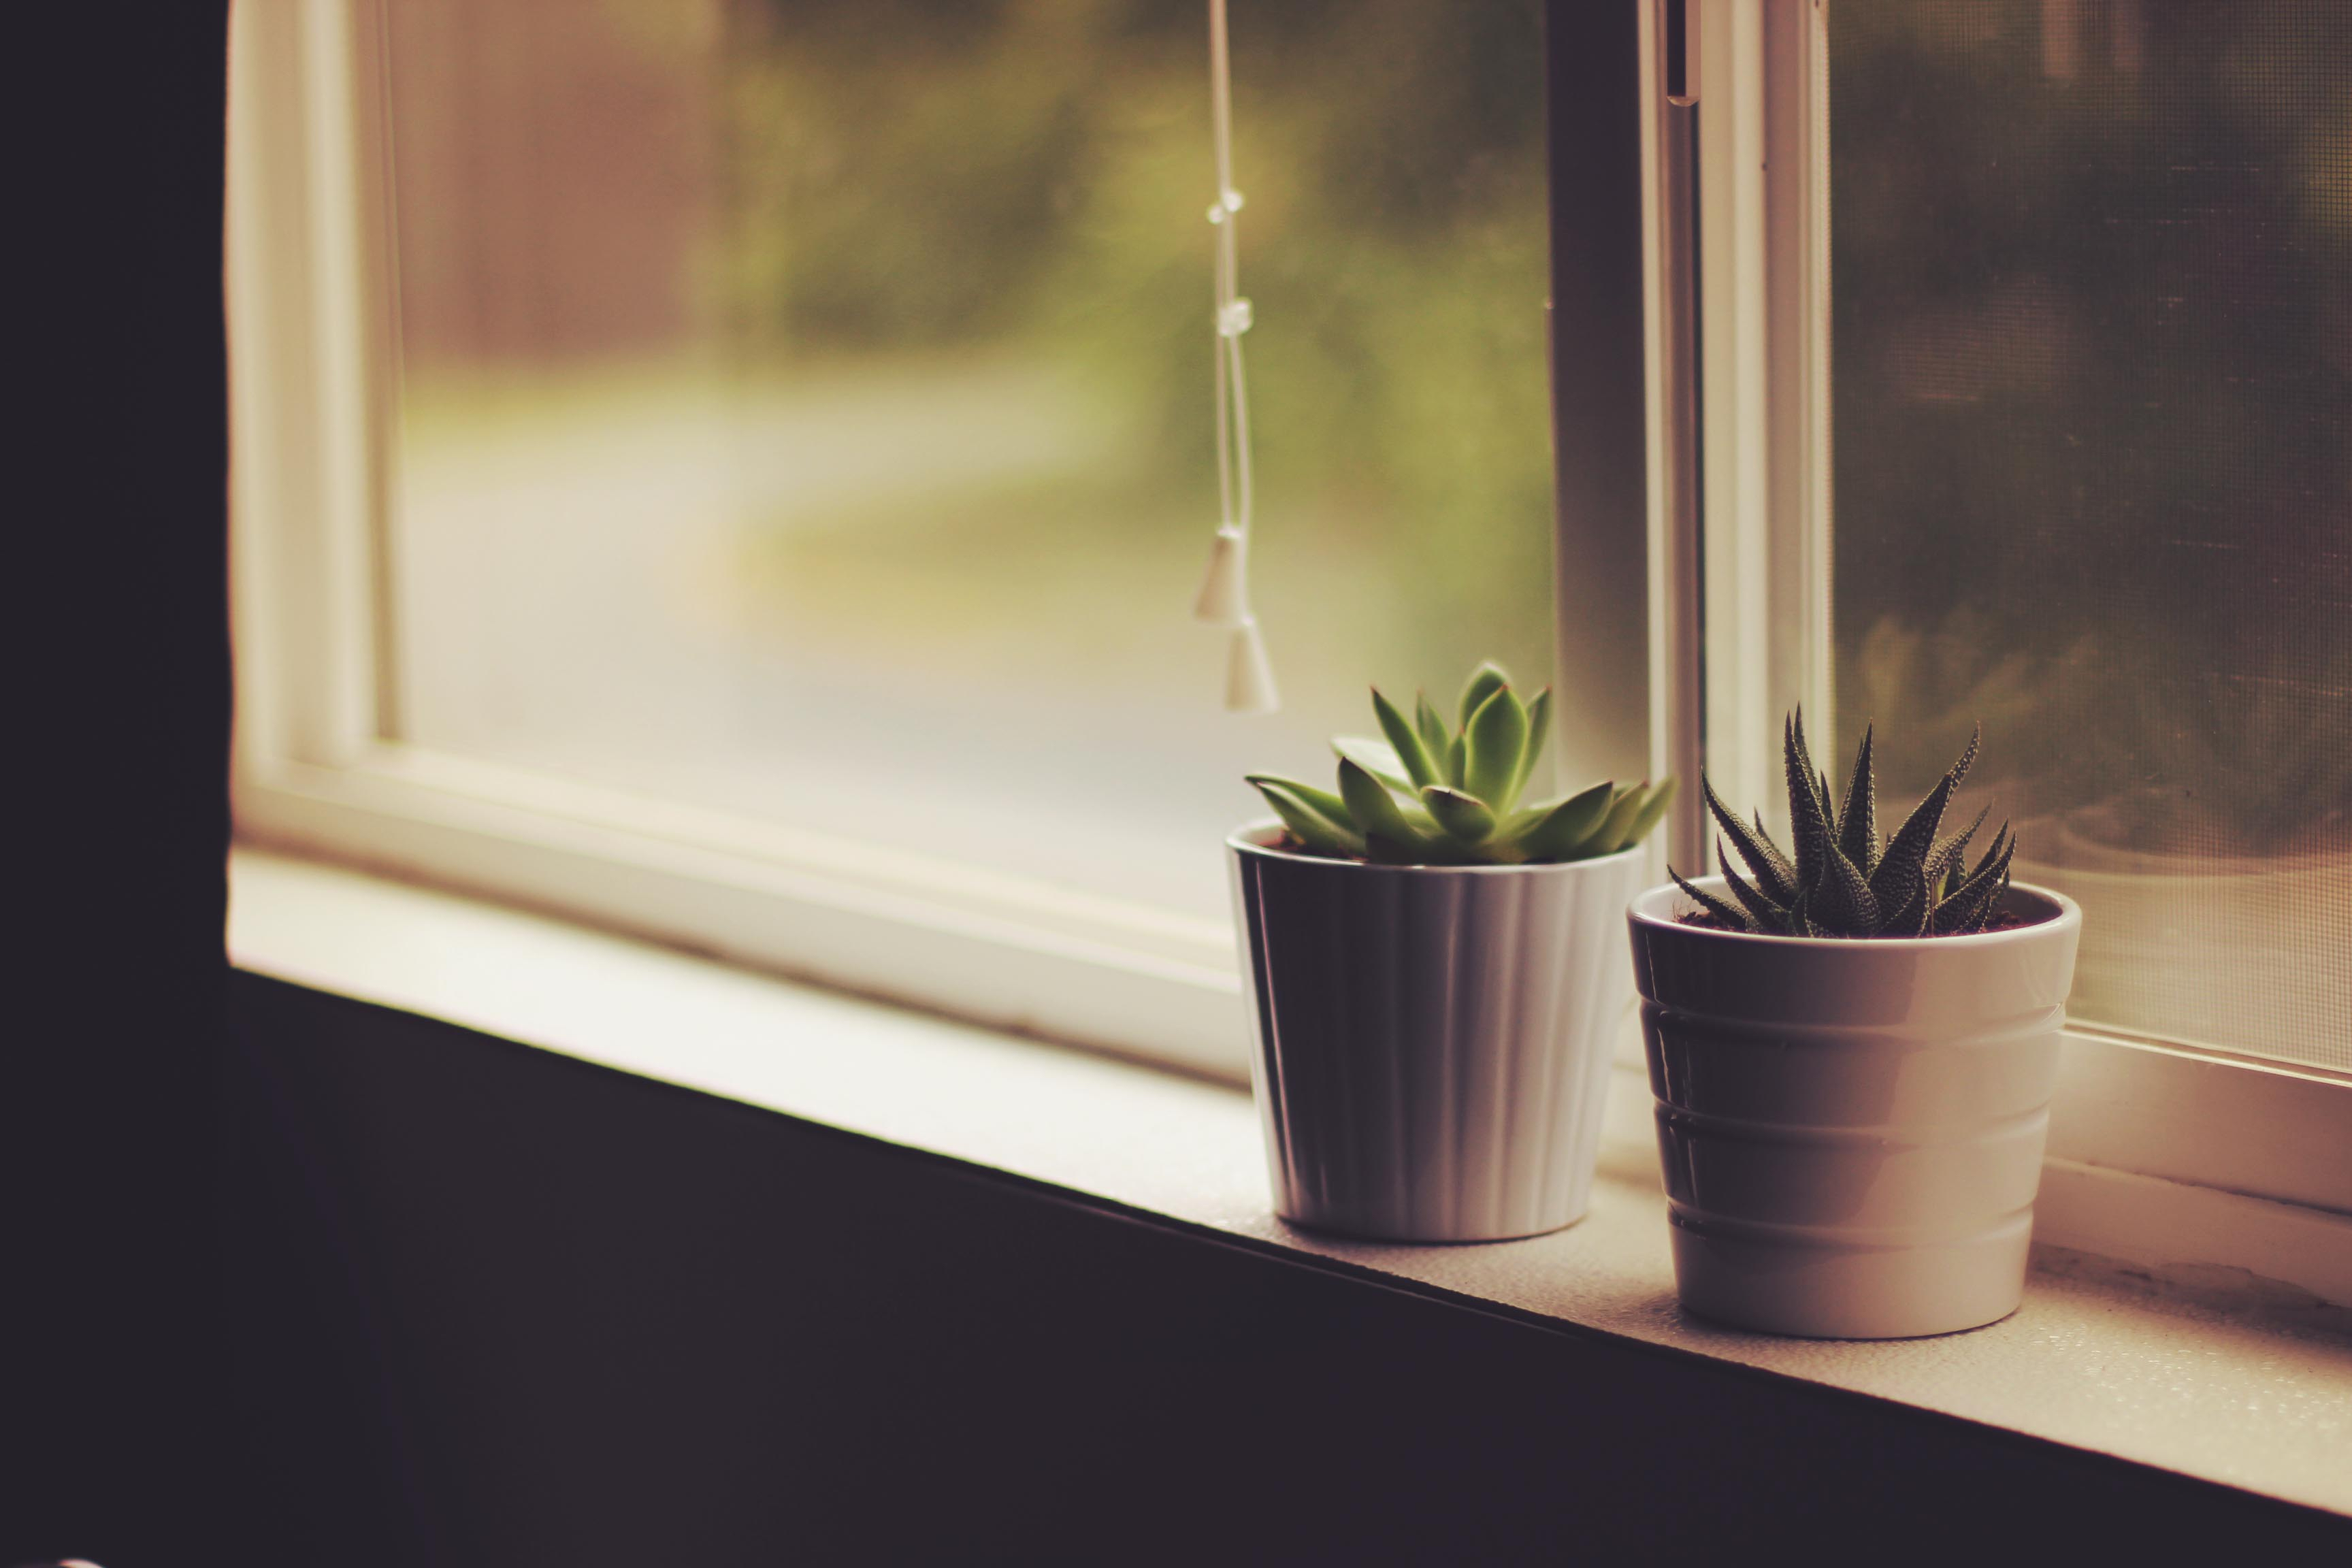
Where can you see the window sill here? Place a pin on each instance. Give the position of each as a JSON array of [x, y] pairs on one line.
[[2099, 1357]]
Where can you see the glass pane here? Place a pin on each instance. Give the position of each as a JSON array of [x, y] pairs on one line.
[[2093, 328], [806, 404]]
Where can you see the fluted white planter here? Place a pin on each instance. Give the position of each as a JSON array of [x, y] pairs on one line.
[[1431, 1044], [1851, 1130]]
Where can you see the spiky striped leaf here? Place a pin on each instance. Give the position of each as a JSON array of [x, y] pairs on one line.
[[1771, 868], [1711, 904], [1787, 868], [1816, 779], [1908, 851], [1969, 908], [1763, 914], [1857, 832], [1800, 919], [1809, 816], [1842, 904], [1950, 850]]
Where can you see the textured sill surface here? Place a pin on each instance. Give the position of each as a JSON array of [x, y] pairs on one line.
[[2089, 1361]]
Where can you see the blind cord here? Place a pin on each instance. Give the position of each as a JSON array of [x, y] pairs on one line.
[[1223, 599]]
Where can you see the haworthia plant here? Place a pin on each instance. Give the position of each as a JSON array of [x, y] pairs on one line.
[[1844, 881], [1424, 795]]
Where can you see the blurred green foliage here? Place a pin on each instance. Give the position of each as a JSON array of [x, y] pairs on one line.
[[2093, 331], [956, 177]]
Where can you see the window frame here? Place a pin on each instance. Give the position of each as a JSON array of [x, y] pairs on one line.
[[2141, 1130], [317, 767]]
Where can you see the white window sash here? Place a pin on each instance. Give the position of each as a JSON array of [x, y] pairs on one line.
[[2145, 1135]]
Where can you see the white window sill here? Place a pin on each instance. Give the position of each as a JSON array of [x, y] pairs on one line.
[[2095, 1359]]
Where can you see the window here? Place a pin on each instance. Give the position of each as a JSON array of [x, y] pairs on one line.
[[2091, 318], [2019, 396], [804, 407], [797, 413], [737, 471]]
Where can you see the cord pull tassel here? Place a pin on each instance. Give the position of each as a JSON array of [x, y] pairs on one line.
[[1249, 678], [1223, 599]]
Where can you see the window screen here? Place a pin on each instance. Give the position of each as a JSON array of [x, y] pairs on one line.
[[806, 404], [2093, 364]]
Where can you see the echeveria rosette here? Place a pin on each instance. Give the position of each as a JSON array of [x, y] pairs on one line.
[[1424, 794], [1844, 881]]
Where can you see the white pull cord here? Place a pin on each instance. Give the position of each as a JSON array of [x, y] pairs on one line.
[[1224, 594]]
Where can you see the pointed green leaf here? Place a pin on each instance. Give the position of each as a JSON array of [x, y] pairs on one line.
[[1456, 757], [1310, 826], [1322, 800], [1610, 837], [1373, 808], [1433, 733], [1538, 730], [1419, 767], [1463, 816], [1377, 758], [1661, 796], [1561, 831], [1484, 683], [1495, 742]]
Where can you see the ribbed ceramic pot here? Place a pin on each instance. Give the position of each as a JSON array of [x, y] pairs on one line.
[[1431, 1043], [1852, 1132]]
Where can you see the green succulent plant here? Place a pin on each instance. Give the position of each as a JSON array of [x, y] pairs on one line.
[[1844, 880], [1430, 795]]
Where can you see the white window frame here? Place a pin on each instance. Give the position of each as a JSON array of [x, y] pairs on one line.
[[314, 399], [2160, 1153]]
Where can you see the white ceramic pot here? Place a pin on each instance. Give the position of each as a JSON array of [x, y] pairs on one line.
[[1431, 1043], [1852, 1132]]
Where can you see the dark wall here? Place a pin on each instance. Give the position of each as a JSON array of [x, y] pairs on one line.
[[117, 716], [509, 1308]]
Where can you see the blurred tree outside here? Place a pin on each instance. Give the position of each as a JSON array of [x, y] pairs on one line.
[[807, 404], [2093, 329], [951, 180]]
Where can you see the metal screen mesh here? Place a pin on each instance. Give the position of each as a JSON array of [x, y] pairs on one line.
[[2092, 357]]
